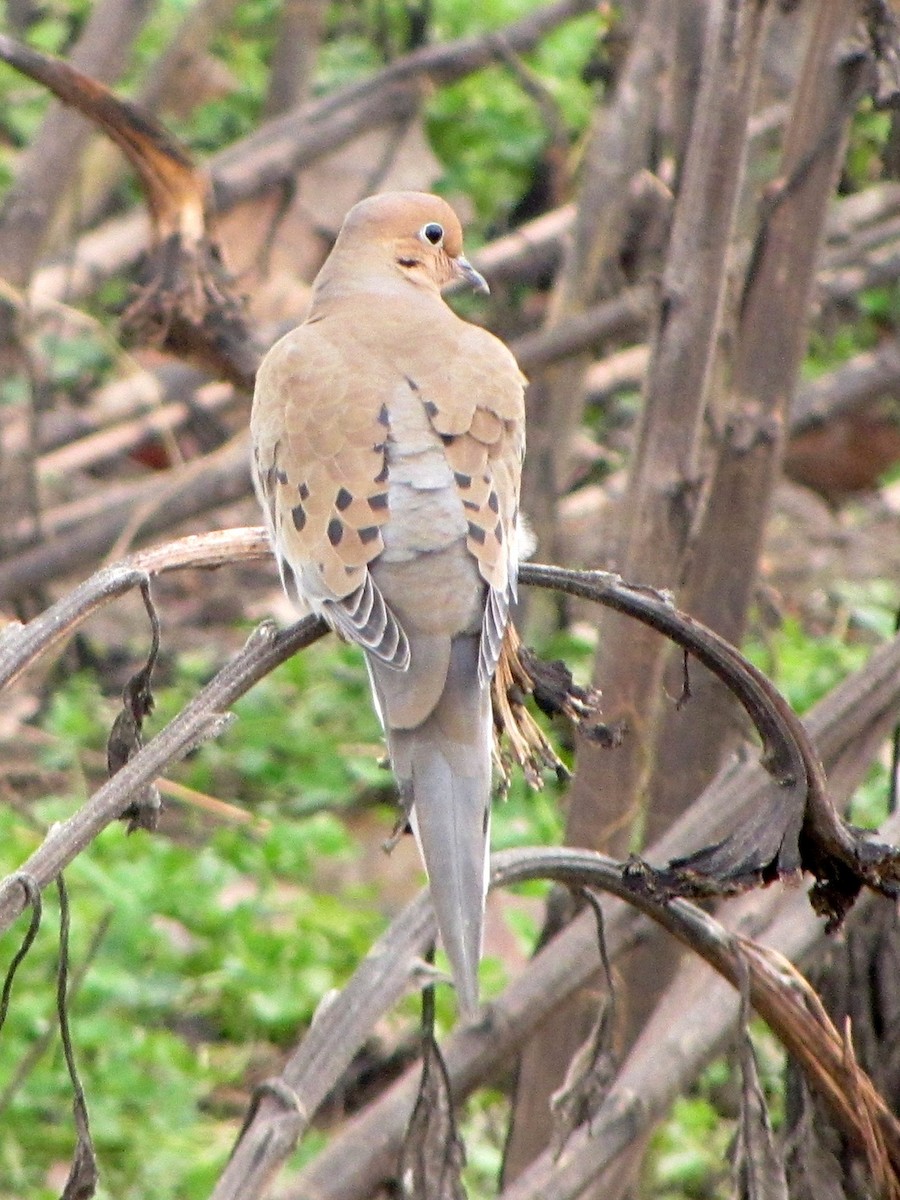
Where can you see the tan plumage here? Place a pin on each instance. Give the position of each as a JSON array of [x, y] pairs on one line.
[[388, 438]]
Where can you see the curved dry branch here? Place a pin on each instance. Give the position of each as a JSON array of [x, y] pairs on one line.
[[202, 718], [857, 714], [849, 726], [800, 828], [23, 645], [185, 300], [173, 186], [387, 972], [285, 1107], [797, 829], [778, 992]]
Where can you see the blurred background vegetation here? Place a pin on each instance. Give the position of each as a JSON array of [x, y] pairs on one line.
[[201, 951]]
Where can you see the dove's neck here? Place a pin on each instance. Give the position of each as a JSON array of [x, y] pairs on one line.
[[341, 280]]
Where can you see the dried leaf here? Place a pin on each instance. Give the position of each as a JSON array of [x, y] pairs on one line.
[[758, 1163], [813, 1169], [588, 1080], [82, 1181], [126, 735], [83, 1175], [593, 1068], [33, 894], [433, 1155]]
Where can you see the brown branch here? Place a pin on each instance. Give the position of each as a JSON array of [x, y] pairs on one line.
[[48, 166], [769, 345], [201, 23], [184, 300], [120, 437], [140, 393], [300, 27], [781, 996], [274, 154], [22, 645], [862, 379], [662, 493], [261, 654], [663, 477], [173, 187], [363, 1155], [529, 251], [202, 718], [618, 148], [624, 369], [179, 494], [622, 317], [799, 829], [695, 1018], [860, 711]]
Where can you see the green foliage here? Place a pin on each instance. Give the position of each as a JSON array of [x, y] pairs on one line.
[[869, 133], [76, 361], [287, 757], [690, 1153], [483, 1127], [489, 133], [878, 311], [221, 942], [806, 667], [67, 363], [213, 953]]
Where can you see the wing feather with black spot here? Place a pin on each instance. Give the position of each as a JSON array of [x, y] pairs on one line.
[[478, 408], [320, 470]]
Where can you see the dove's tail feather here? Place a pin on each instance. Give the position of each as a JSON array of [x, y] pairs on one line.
[[443, 767]]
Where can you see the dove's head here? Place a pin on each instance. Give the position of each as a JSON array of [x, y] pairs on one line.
[[411, 234]]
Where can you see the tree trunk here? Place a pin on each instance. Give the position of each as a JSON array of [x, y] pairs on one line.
[[659, 508]]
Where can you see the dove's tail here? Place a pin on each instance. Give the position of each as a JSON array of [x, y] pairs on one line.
[[443, 767]]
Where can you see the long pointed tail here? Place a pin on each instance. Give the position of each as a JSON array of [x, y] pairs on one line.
[[444, 766]]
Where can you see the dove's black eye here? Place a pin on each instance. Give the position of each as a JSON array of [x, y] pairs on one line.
[[434, 233]]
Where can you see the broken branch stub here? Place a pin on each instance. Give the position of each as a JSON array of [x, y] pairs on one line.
[[798, 828], [184, 299]]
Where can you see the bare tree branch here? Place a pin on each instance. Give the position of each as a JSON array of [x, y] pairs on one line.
[[848, 727], [769, 345], [273, 154], [662, 495], [52, 158], [299, 32], [204, 717], [22, 645], [617, 149], [363, 1156]]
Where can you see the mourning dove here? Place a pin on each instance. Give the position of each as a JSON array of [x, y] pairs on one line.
[[388, 437]]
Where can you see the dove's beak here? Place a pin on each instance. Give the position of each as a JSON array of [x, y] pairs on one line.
[[466, 272]]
